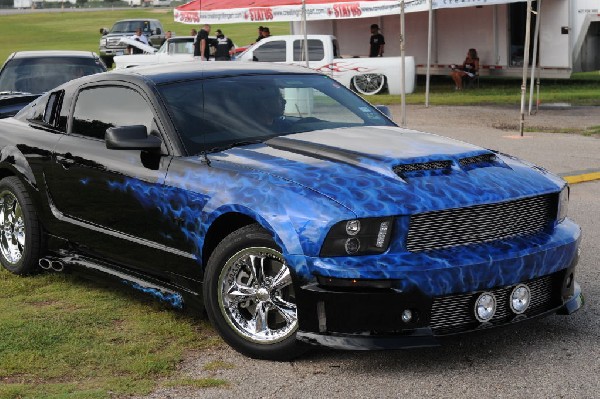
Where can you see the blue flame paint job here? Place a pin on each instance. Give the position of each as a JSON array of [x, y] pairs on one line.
[[298, 197], [172, 298]]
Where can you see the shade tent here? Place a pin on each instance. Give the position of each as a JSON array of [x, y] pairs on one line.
[[264, 11]]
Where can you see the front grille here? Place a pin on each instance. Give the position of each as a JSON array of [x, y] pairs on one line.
[[416, 167], [114, 42], [455, 313], [480, 223]]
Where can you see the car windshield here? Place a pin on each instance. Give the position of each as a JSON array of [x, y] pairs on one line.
[[130, 26], [178, 46], [218, 113], [38, 75]]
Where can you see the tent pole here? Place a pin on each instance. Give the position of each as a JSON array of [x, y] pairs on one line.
[[525, 65], [536, 36], [403, 65], [429, 38], [304, 31]]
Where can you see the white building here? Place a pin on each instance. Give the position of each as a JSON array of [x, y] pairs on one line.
[[569, 36]]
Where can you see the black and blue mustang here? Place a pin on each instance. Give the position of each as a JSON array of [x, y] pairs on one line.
[[286, 206]]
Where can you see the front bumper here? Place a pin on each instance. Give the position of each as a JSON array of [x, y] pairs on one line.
[[439, 290], [419, 337]]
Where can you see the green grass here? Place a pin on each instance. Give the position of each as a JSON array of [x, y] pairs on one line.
[[81, 30], [582, 89], [64, 336]]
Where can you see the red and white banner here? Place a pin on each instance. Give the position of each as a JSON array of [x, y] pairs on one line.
[[233, 11], [202, 11]]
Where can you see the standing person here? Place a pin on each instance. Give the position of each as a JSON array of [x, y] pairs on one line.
[[201, 44], [193, 32], [139, 36], [223, 46], [377, 42], [260, 35], [266, 32]]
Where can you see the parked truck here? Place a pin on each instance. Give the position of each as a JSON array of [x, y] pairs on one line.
[[111, 44], [365, 75]]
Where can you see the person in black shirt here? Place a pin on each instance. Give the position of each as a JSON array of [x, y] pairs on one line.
[[377, 42], [260, 36], [201, 44], [223, 46]]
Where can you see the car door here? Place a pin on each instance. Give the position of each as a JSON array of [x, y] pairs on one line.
[[101, 195]]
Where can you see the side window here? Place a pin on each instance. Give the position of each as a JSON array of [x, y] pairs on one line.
[[270, 52], [52, 109], [98, 108], [315, 50]]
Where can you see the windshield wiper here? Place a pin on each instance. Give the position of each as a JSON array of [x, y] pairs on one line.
[[240, 143]]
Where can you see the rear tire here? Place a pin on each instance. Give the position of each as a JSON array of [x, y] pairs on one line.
[[20, 229], [369, 83], [249, 296]]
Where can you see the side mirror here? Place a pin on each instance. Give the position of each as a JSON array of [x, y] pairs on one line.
[[384, 109], [134, 137], [158, 31], [103, 31]]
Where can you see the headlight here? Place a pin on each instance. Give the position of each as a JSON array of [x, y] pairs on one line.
[[563, 203], [358, 237], [103, 42]]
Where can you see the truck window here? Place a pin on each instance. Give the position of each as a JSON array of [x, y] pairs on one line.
[[315, 50], [270, 52]]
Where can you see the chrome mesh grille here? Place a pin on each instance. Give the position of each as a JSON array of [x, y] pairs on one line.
[[484, 158], [480, 223], [415, 167], [113, 41], [455, 313]]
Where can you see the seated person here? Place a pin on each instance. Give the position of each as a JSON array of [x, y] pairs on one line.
[[470, 69]]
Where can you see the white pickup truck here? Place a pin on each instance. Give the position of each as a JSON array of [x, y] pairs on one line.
[[365, 75]]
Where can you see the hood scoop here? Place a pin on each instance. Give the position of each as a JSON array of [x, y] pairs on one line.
[[445, 166]]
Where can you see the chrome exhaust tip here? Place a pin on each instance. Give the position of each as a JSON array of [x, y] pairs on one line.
[[45, 263], [57, 265]]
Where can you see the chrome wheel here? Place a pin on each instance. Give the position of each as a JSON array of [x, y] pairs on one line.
[[256, 296], [368, 84], [12, 226]]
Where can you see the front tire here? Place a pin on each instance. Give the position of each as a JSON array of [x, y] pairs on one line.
[[249, 296], [369, 83], [20, 230]]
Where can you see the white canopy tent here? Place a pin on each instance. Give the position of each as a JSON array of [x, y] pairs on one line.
[[260, 11]]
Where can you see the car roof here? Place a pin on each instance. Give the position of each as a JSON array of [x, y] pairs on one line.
[[136, 19], [162, 73], [54, 53]]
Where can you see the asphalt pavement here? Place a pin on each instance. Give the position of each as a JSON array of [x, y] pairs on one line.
[[553, 357]]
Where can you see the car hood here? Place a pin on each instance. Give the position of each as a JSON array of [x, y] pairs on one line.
[[12, 103], [378, 171]]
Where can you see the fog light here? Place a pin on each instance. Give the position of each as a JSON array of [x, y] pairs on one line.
[[485, 307], [352, 245], [407, 315], [352, 227], [520, 297]]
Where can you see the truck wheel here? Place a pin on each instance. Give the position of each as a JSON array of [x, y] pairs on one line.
[[249, 296], [20, 230], [369, 84]]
